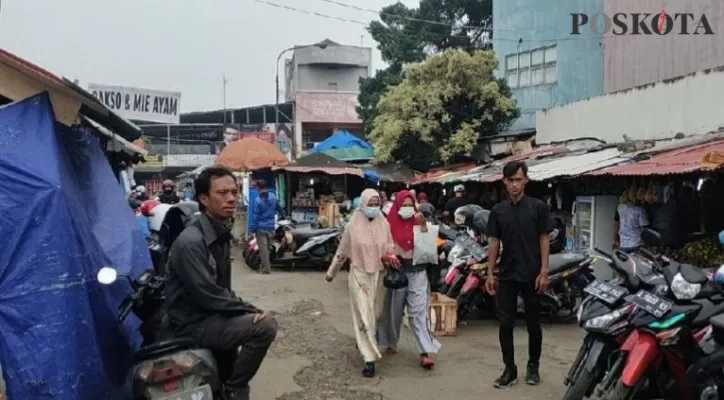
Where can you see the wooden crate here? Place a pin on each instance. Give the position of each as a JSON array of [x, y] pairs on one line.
[[443, 315]]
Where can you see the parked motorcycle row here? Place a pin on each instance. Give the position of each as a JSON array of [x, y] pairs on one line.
[[655, 331]]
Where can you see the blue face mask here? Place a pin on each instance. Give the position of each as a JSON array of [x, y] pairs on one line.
[[371, 212]]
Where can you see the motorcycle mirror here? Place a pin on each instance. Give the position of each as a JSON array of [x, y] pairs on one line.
[[651, 237], [107, 275]]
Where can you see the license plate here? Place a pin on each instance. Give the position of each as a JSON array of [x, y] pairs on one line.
[[652, 303], [605, 291], [199, 393]]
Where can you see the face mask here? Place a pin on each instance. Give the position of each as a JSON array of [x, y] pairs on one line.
[[406, 212], [371, 212]]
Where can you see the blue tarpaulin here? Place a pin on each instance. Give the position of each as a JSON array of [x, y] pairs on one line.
[[371, 175], [341, 140], [64, 216]]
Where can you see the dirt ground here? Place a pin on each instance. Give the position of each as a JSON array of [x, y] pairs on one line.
[[314, 357]]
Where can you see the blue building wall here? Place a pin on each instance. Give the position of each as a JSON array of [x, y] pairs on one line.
[[579, 69]]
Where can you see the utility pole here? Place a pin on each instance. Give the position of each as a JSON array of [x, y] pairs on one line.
[[224, 82]]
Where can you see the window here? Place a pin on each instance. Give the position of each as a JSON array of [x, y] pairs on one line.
[[532, 67], [332, 86]]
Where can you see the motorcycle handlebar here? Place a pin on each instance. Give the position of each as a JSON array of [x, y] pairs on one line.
[[605, 253], [125, 311]]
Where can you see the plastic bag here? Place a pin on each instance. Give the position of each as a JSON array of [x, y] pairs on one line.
[[395, 279], [425, 251]]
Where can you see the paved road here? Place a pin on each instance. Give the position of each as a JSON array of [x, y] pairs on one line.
[[314, 357]]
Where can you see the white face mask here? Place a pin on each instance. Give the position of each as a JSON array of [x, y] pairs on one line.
[[406, 212]]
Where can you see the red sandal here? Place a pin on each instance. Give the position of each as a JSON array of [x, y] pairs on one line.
[[426, 362]]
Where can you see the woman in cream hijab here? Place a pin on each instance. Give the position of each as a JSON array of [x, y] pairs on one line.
[[367, 244]]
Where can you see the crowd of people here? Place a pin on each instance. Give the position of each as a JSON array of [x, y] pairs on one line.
[[201, 303]]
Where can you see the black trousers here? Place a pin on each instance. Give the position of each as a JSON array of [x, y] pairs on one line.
[[224, 335], [507, 297]]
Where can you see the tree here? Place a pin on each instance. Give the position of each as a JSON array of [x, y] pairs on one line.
[[407, 35], [441, 108]]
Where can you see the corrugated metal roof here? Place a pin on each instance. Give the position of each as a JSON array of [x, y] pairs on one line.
[[679, 161], [324, 170], [574, 164]]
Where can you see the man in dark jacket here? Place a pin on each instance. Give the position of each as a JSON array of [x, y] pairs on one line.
[[199, 299], [263, 222]]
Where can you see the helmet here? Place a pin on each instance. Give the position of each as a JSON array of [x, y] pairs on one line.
[[428, 210], [721, 237], [719, 275], [356, 202], [459, 188], [141, 189], [148, 206], [134, 204], [480, 221], [464, 215]]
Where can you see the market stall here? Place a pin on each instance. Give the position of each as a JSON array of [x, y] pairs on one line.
[[319, 187]]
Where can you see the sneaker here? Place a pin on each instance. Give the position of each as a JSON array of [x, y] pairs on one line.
[[532, 376], [508, 379]]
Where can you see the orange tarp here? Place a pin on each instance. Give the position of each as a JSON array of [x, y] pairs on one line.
[[250, 154]]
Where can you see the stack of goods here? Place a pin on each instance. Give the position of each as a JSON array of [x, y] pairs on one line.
[[704, 252], [304, 199]]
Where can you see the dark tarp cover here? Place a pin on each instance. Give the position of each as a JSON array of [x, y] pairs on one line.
[[63, 217]]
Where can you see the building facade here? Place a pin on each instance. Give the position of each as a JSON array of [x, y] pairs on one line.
[[323, 81], [544, 64], [634, 60]]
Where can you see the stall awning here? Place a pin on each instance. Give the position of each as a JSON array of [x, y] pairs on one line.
[[320, 162], [700, 157], [118, 142]]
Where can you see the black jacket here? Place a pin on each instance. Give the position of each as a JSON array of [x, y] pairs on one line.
[[169, 198], [199, 276]]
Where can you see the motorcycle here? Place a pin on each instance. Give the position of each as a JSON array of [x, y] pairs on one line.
[[706, 376], [163, 369], [604, 315], [465, 253], [294, 244], [667, 336]]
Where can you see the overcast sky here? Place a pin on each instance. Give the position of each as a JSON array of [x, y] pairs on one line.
[[177, 45]]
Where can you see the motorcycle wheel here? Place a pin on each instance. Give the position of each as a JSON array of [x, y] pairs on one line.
[[456, 287], [621, 392], [577, 391], [254, 261], [463, 301]]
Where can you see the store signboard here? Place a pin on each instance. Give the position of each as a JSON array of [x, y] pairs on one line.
[[190, 160], [327, 107], [153, 161], [140, 104]]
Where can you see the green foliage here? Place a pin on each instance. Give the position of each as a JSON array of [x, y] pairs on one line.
[[441, 108], [403, 38]]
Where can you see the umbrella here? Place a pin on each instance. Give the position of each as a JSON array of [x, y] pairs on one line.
[[249, 154]]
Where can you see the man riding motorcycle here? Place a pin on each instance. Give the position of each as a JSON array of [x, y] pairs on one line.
[[200, 302], [168, 195]]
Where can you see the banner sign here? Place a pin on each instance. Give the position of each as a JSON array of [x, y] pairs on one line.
[[140, 104]]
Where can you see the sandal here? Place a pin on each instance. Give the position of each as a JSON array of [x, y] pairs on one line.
[[426, 361], [369, 370]]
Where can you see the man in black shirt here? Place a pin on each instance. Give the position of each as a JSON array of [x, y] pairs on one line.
[[521, 224], [456, 202], [199, 299]]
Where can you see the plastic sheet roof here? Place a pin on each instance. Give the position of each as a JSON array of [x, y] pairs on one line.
[[574, 164]]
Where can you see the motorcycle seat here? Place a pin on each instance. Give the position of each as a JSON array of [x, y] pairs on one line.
[[164, 347], [305, 233], [560, 262], [717, 322]]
